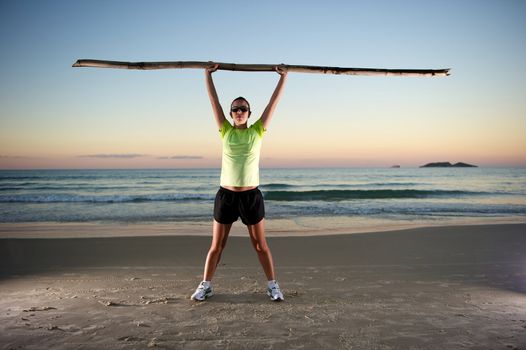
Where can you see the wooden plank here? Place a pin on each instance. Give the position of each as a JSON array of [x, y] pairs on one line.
[[261, 68]]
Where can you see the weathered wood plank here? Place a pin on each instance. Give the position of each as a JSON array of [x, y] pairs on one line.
[[260, 68]]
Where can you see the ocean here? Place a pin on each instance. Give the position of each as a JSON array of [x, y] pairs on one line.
[[342, 195]]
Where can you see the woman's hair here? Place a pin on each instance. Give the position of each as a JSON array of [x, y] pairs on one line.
[[242, 99]]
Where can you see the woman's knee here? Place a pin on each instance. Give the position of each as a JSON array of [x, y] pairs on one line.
[[215, 249], [261, 247]]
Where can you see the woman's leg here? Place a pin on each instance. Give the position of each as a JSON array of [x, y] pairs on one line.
[[219, 237], [257, 236]]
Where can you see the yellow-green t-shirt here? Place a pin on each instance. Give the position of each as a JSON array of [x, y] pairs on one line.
[[240, 160]]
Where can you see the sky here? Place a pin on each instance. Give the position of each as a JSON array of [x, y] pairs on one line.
[[56, 116]]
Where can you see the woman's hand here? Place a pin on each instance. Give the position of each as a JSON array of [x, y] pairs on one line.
[[281, 71], [212, 68]]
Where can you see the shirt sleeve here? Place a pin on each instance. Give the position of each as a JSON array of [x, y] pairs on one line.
[[258, 127], [224, 128]]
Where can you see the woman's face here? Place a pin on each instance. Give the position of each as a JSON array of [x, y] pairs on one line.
[[239, 112]]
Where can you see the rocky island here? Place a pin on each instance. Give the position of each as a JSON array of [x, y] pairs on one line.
[[448, 165]]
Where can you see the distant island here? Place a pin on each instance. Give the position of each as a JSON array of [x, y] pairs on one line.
[[448, 165]]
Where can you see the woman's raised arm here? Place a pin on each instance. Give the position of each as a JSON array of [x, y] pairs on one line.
[[269, 110], [219, 115]]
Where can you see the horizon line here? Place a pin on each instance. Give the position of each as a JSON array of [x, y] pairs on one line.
[[274, 167]]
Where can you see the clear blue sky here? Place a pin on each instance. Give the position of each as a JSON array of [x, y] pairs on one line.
[[52, 115]]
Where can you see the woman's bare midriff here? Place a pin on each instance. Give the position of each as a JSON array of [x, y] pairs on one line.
[[239, 189]]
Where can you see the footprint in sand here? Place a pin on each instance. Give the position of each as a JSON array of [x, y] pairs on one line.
[[130, 338], [40, 308]]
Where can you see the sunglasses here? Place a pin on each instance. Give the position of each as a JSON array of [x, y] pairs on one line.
[[239, 108]]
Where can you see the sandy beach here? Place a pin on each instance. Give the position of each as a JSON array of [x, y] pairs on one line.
[[457, 287]]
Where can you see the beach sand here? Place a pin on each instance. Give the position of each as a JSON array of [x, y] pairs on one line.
[[458, 287]]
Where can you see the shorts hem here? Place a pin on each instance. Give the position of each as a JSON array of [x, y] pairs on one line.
[[224, 223], [253, 223]]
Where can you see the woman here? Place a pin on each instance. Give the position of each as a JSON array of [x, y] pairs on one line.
[[238, 195]]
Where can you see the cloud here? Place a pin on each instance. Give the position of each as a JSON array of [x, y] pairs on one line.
[[16, 157], [181, 157], [114, 155]]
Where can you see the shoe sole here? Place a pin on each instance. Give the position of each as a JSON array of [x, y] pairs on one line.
[[207, 295], [277, 299]]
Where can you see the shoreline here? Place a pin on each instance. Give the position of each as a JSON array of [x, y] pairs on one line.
[[432, 245], [296, 227]]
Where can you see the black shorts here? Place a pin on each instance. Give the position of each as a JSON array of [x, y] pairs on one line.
[[230, 205]]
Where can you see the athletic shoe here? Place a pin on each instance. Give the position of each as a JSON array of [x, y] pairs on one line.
[[203, 291], [274, 292]]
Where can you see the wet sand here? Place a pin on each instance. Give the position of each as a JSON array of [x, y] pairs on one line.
[[427, 288]]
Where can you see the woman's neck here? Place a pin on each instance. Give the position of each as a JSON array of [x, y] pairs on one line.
[[242, 126]]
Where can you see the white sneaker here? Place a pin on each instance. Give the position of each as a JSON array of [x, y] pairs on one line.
[[203, 291], [274, 292]]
